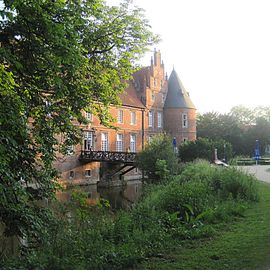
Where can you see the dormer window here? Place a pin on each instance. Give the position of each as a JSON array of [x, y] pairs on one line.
[[153, 96], [163, 97], [155, 82], [89, 116]]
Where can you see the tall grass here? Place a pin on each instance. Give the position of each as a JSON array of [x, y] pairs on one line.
[[187, 207]]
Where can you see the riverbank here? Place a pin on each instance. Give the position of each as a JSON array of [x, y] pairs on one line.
[[172, 218], [244, 244]]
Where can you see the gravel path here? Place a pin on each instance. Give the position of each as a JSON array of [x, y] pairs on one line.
[[262, 172]]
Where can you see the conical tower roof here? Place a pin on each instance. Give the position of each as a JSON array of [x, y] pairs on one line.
[[177, 96]]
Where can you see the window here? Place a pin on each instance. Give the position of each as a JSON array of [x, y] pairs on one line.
[[163, 97], [184, 120], [150, 138], [153, 96], [120, 116], [132, 142], [89, 116], [150, 119], [155, 82], [159, 119], [71, 174], [133, 118], [88, 173], [70, 150], [88, 140], [119, 142], [104, 142], [48, 108]]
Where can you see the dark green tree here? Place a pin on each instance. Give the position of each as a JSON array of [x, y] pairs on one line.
[[217, 126], [241, 127], [57, 58], [203, 148]]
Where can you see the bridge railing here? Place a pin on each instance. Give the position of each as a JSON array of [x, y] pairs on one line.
[[109, 156]]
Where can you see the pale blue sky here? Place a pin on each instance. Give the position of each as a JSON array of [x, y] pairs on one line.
[[219, 48]]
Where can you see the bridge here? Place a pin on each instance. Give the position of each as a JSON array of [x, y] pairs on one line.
[[127, 159], [108, 156]]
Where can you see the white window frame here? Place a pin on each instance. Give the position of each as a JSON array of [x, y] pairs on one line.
[[133, 141], [119, 142], [151, 119], [159, 119], [104, 141], [89, 116], [88, 140], [133, 118], [120, 116], [70, 150], [184, 120]]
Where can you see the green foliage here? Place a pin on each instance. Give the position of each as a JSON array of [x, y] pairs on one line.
[[158, 158], [241, 128], [162, 170], [203, 148], [188, 207], [57, 58], [224, 182]]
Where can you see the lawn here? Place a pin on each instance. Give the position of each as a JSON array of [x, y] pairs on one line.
[[242, 245]]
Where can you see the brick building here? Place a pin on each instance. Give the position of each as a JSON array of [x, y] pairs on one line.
[[151, 104]]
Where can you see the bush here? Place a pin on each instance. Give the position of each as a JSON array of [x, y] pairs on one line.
[[225, 182], [158, 159]]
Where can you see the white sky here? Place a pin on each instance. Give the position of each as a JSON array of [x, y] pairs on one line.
[[219, 48]]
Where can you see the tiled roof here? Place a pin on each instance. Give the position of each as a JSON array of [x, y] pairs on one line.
[[177, 96], [129, 97]]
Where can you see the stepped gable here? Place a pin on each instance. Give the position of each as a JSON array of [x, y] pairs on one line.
[[129, 97], [177, 96]]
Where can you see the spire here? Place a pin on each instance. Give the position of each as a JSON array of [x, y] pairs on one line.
[[177, 96]]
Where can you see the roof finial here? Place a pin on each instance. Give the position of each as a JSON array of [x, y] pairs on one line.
[[173, 67]]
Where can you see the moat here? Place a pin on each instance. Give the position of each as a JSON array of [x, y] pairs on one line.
[[119, 197]]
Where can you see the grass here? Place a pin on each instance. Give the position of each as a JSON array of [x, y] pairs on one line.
[[242, 245]]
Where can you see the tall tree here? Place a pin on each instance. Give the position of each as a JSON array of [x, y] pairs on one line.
[[217, 126], [241, 127], [57, 58]]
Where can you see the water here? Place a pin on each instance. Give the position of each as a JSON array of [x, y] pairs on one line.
[[119, 197]]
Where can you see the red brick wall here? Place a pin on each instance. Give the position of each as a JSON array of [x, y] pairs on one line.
[[173, 124]]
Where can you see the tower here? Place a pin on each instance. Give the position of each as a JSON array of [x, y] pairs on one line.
[[179, 111]]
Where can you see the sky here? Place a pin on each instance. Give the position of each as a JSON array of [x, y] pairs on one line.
[[219, 48]]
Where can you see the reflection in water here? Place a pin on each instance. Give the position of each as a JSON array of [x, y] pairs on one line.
[[119, 197], [122, 197]]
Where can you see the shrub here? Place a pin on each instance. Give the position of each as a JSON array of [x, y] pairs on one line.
[[160, 149]]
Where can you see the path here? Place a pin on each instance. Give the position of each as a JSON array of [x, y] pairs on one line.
[[262, 172]]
